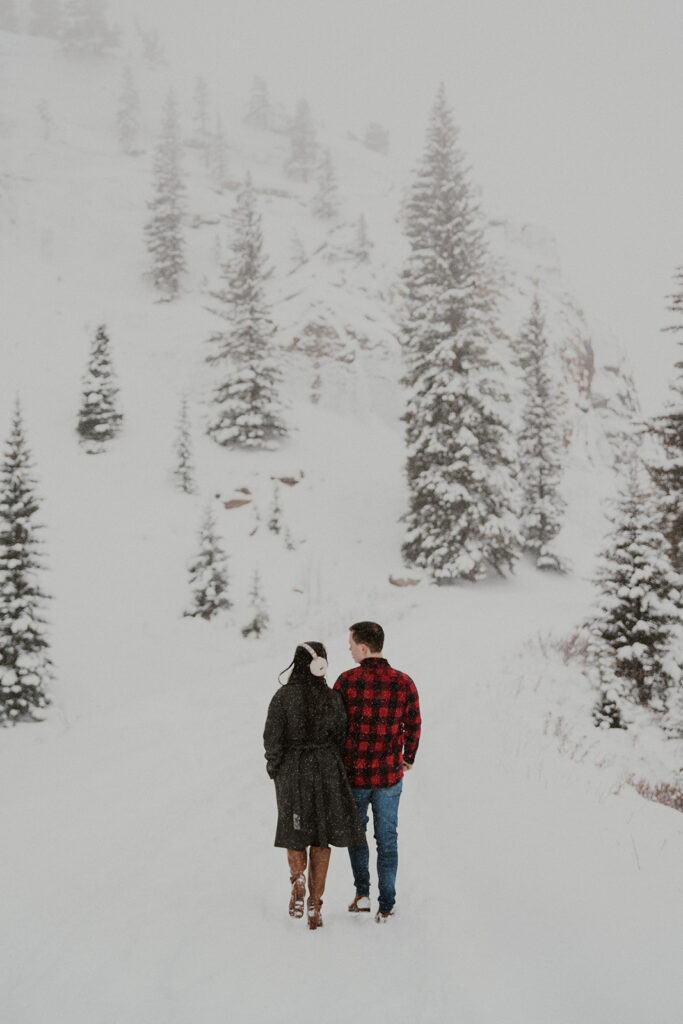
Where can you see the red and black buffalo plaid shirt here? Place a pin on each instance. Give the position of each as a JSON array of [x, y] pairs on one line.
[[384, 723]]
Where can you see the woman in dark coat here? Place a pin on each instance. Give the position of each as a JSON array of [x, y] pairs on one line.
[[304, 739]]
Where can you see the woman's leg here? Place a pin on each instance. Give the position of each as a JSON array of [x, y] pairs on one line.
[[317, 875], [297, 867]]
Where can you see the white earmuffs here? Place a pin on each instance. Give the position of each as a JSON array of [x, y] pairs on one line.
[[318, 666]]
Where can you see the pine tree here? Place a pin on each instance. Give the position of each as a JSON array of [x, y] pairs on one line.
[[217, 155], [540, 444], [184, 465], [275, 520], [128, 116], [325, 202], [200, 115], [666, 467], [261, 620], [25, 667], [303, 145], [84, 27], [165, 239], [46, 18], [376, 138], [638, 611], [258, 108], [209, 573], [247, 409], [9, 21], [362, 246], [99, 418], [461, 518]]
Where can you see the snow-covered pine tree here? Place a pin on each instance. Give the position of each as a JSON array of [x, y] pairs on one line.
[[209, 573], [275, 518], [25, 666], [461, 520], [638, 608], [376, 138], [128, 114], [164, 232], [666, 468], [258, 106], [303, 146], [9, 22], [247, 410], [45, 18], [362, 246], [325, 202], [261, 620], [217, 155], [540, 444], [183, 470], [99, 418], [84, 28], [200, 116]]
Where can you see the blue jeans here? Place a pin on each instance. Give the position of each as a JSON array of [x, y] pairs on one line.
[[385, 819]]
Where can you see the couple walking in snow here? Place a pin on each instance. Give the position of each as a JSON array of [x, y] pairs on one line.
[[333, 754]]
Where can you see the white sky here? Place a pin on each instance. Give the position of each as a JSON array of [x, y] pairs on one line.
[[570, 112]]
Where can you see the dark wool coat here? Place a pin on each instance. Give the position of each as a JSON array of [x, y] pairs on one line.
[[304, 757]]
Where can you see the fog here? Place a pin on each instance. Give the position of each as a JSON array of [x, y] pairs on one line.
[[569, 112]]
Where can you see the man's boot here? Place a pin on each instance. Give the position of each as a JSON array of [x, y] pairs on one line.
[[297, 866], [317, 874]]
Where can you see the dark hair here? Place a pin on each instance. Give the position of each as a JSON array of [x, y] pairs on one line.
[[369, 633], [300, 663], [302, 676]]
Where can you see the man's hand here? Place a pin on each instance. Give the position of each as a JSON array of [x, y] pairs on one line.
[[406, 766]]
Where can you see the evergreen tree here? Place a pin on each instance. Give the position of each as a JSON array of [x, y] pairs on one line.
[[128, 116], [461, 518], [540, 444], [8, 16], [217, 156], [303, 145], [201, 112], [247, 409], [666, 467], [275, 520], [258, 108], [638, 612], [362, 246], [209, 573], [184, 466], [99, 418], [260, 620], [46, 18], [84, 27], [376, 138], [25, 667], [165, 239], [325, 202]]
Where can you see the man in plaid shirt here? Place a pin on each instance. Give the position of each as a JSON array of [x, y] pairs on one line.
[[383, 733]]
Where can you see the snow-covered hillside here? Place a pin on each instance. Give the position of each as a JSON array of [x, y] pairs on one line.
[[140, 884]]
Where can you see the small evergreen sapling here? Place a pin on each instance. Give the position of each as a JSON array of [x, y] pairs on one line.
[[325, 202], [128, 116], [209, 573], [184, 464], [99, 418], [25, 667], [164, 230], [260, 620], [303, 145], [275, 519]]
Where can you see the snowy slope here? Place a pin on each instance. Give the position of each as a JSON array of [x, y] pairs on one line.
[[139, 880]]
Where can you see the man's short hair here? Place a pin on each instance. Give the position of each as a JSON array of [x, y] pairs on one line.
[[369, 633]]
